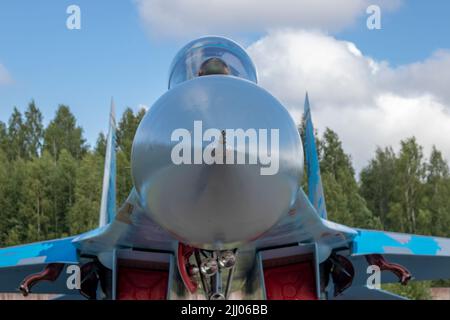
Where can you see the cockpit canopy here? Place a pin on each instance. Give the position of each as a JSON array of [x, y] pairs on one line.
[[211, 55]]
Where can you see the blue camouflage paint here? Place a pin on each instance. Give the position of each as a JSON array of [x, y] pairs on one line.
[[61, 250], [379, 242], [315, 188]]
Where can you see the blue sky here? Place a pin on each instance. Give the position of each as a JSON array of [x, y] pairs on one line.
[[115, 53], [411, 33], [110, 56]]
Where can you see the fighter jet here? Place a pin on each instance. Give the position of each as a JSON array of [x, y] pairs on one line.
[[217, 210]]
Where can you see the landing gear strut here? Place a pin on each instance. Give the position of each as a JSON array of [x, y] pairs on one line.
[[51, 272], [401, 272], [208, 267]]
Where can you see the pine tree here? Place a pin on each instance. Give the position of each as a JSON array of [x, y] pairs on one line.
[[16, 136], [63, 133], [100, 145], [33, 130]]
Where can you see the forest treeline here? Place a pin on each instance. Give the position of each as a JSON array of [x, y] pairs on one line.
[[51, 179]]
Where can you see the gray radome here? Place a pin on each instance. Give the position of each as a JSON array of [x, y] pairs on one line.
[[215, 206]]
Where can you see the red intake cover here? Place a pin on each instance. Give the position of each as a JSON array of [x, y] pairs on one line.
[[291, 282], [141, 284]]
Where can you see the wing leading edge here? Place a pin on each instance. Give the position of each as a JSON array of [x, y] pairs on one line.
[[53, 251], [423, 257]]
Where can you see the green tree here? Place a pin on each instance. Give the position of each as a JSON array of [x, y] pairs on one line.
[[4, 184], [437, 199], [45, 196], [16, 136], [12, 185], [127, 127], [100, 145], [84, 214], [33, 130], [63, 133], [410, 174], [35, 205], [62, 193], [344, 203], [3, 137], [409, 196], [378, 183]]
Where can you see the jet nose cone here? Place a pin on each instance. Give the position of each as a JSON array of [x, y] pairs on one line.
[[217, 161]]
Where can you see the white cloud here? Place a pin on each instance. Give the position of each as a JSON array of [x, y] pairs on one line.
[[391, 119], [197, 17], [5, 78], [289, 60], [431, 75], [366, 102]]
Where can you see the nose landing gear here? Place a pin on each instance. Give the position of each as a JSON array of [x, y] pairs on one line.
[[219, 262], [210, 267]]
